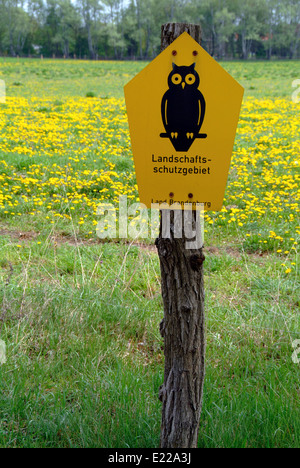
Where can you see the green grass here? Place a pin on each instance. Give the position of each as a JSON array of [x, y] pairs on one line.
[[61, 78], [80, 317], [84, 355], [58, 78]]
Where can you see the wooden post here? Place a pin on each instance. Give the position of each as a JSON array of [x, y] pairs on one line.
[[183, 325]]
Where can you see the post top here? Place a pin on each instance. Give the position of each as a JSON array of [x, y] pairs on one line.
[[171, 31]]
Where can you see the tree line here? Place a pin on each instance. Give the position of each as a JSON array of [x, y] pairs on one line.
[[121, 29]]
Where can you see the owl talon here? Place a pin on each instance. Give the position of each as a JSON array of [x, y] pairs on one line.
[[190, 135], [174, 135]]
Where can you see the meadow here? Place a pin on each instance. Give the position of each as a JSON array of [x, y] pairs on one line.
[[80, 317]]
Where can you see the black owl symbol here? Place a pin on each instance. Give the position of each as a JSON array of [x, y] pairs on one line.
[[183, 108]]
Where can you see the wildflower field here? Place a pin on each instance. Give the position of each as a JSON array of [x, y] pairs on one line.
[[80, 318]]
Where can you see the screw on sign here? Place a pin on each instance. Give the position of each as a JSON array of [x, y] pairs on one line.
[[183, 110]]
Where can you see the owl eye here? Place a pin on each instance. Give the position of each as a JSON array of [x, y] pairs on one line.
[[176, 79], [190, 79]]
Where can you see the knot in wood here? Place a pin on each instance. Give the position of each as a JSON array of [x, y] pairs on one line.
[[186, 309], [196, 261]]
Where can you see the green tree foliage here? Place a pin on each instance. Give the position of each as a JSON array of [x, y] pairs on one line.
[[14, 26], [131, 28]]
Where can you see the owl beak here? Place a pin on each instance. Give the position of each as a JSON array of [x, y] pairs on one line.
[[183, 85]]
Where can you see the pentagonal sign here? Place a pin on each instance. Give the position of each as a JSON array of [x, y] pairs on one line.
[[183, 110]]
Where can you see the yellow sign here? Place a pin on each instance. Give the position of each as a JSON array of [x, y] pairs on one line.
[[183, 111]]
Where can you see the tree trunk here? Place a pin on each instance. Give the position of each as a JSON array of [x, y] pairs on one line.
[[138, 13], [183, 325], [90, 42], [244, 46], [170, 32]]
